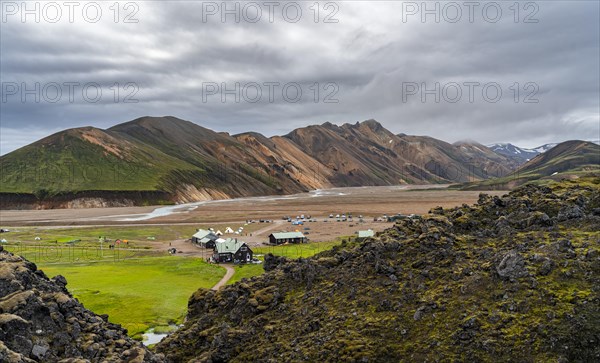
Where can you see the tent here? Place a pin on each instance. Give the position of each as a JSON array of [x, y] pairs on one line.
[[37, 238], [219, 233], [228, 230]]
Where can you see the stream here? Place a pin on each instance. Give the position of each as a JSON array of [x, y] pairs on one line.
[[150, 337], [185, 207]]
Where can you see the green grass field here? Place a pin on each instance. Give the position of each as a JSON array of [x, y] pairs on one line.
[[48, 254], [141, 293]]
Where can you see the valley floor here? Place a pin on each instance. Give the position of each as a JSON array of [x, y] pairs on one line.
[[361, 200]]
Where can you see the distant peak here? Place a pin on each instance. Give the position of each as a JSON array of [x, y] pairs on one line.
[[371, 123], [249, 133], [157, 122], [156, 119]]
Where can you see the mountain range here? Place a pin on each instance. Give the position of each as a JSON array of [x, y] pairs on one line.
[[567, 160], [154, 160], [519, 154], [523, 155]]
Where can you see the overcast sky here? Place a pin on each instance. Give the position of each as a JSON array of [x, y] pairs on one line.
[[376, 59]]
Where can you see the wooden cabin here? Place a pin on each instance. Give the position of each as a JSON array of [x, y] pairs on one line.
[[205, 238], [286, 237], [232, 250]]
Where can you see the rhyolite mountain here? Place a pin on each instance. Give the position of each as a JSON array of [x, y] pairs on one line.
[[368, 154], [147, 161], [567, 160], [522, 155], [511, 278], [154, 160], [566, 156]]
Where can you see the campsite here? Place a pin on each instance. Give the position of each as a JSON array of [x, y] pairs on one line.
[[121, 282], [144, 290]]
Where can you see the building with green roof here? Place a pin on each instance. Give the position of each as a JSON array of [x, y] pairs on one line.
[[286, 237], [232, 250]]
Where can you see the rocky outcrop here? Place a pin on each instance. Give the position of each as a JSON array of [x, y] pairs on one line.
[[507, 279], [41, 322], [512, 266]]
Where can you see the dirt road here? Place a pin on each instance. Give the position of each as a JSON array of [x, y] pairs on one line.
[[269, 228], [228, 275]]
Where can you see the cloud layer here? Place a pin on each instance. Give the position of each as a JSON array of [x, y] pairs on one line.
[[375, 59]]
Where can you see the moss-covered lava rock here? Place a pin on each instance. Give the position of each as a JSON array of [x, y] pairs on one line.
[[512, 278], [41, 322]]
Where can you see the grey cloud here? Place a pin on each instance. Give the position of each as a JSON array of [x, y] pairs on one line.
[[368, 54]]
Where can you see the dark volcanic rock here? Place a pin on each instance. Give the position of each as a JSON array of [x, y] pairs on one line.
[[271, 261], [41, 322], [570, 212], [547, 267], [512, 266]]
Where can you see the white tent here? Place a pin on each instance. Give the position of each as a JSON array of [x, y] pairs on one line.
[[219, 233], [37, 238], [228, 230], [3, 241]]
